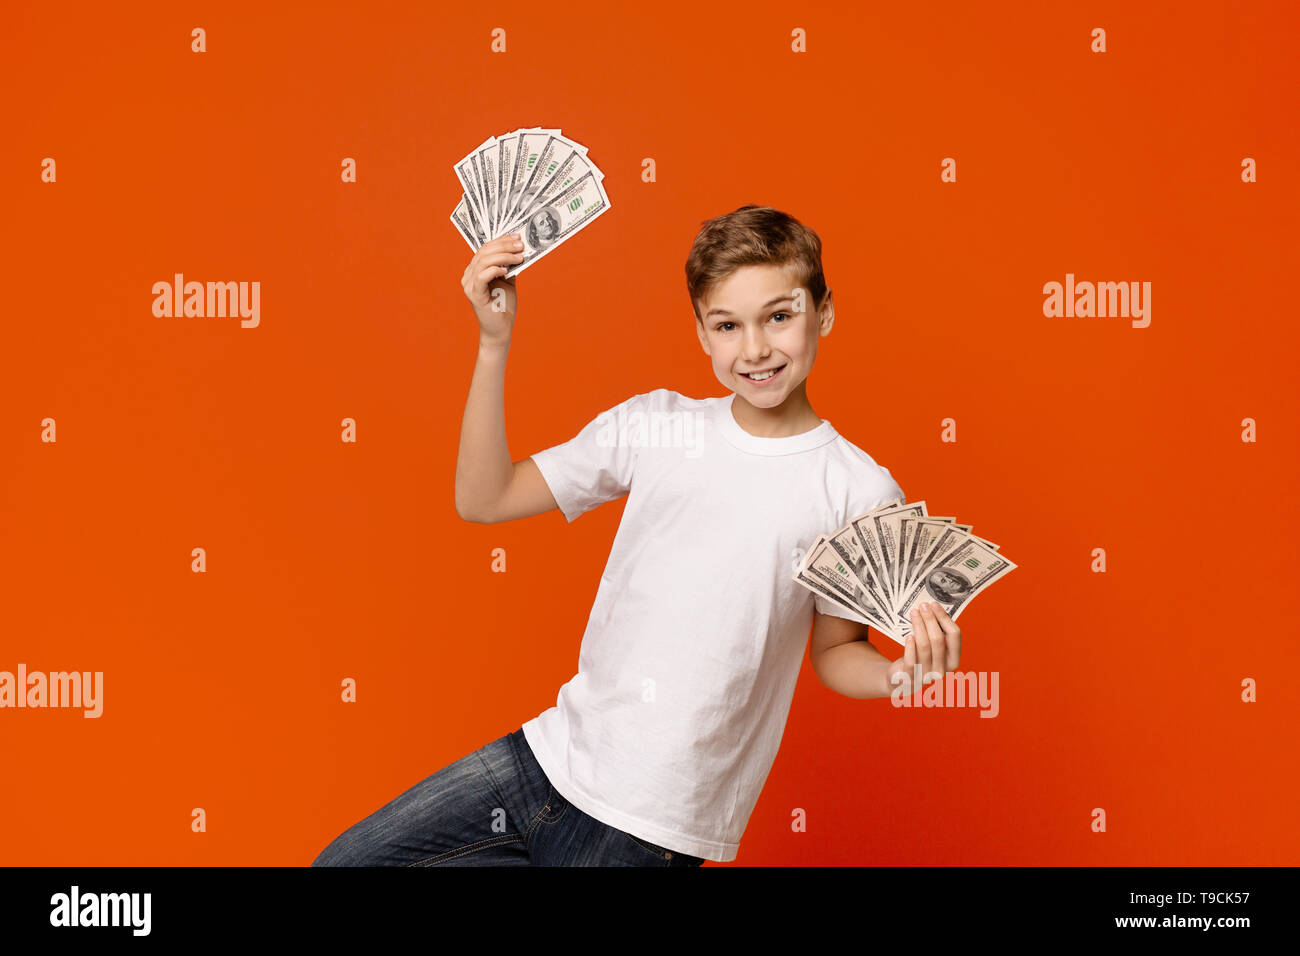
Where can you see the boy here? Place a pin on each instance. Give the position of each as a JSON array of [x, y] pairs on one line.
[[656, 750]]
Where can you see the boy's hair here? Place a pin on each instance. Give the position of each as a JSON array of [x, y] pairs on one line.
[[753, 235]]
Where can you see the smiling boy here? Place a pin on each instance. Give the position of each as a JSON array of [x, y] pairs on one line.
[[657, 749]]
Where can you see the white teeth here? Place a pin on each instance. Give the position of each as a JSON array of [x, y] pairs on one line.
[[759, 376]]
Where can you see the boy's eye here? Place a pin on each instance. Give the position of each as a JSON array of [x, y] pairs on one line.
[[726, 326]]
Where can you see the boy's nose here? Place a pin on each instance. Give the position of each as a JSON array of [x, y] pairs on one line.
[[754, 346]]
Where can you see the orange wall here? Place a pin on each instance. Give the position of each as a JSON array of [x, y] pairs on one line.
[[1118, 690]]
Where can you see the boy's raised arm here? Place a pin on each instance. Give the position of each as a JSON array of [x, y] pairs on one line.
[[489, 486]]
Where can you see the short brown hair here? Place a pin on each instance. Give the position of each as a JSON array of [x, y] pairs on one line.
[[753, 235]]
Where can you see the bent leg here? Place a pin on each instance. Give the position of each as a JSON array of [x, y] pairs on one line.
[[473, 812]]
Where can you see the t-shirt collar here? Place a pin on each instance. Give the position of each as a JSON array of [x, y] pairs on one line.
[[730, 429]]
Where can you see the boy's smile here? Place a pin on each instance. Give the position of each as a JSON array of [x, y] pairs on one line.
[[762, 349]]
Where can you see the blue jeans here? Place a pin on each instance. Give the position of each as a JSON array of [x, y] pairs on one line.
[[492, 807]]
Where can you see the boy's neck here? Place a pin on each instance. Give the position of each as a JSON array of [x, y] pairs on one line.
[[794, 416]]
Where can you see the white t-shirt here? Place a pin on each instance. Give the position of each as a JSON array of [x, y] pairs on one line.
[[696, 637]]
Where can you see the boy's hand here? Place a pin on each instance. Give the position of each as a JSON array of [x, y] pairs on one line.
[[933, 648], [482, 280]]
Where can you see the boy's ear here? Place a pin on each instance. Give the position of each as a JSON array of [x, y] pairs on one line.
[[704, 339], [827, 313]]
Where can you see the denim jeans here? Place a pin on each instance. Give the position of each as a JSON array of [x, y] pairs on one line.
[[492, 807]]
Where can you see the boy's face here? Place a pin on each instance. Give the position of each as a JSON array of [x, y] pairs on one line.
[[749, 324]]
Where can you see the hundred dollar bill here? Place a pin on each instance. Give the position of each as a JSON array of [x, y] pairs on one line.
[[954, 579], [557, 160], [549, 225], [822, 582], [466, 225], [886, 561], [878, 543], [517, 154], [915, 537], [945, 540], [475, 222], [469, 173], [846, 544], [521, 182], [487, 166], [921, 555], [817, 580], [819, 587], [821, 569], [889, 530], [526, 152], [823, 563], [505, 149]]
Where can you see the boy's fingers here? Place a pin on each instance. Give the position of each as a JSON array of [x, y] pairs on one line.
[[488, 274], [498, 250], [922, 639], [952, 632], [903, 678], [909, 662], [938, 646], [948, 624], [506, 255]]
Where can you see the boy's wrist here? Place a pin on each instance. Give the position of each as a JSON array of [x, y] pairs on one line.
[[493, 347], [884, 686]]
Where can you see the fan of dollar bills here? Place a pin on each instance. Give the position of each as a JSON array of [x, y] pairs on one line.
[[536, 182], [890, 559]]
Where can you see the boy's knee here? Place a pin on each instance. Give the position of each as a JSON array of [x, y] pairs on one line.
[[330, 856]]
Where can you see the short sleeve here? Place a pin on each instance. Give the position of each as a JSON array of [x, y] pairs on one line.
[[593, 466], [827, 606], [886, 492]]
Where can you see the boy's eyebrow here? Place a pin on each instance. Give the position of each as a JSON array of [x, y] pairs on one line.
[[765, 305]]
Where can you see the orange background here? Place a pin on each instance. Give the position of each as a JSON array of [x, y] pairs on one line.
[[329, 560]]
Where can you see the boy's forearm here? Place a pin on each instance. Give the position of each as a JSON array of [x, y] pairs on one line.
[[855, 669], [483, 465]]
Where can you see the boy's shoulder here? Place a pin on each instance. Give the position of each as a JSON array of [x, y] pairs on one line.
[[854, 457], [665, 399], [855, 478]]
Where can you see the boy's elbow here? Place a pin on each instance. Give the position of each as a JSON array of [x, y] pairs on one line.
[[466, 513], [472, 504]]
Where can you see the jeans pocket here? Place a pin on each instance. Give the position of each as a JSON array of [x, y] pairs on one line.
[[666, 856], [553, 809]]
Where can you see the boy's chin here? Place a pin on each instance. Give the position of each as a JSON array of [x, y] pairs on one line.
[[772, 399]]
